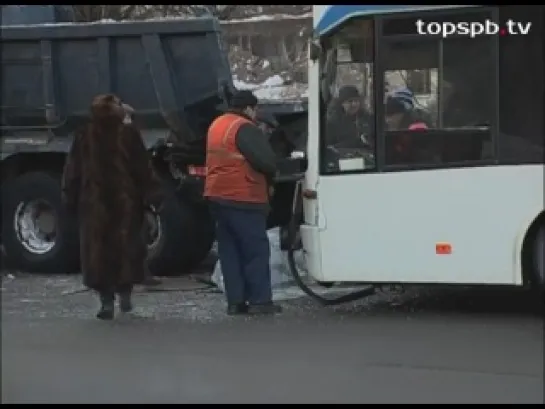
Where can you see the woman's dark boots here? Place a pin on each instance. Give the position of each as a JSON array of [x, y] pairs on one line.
[[106, 311], [125, 301]]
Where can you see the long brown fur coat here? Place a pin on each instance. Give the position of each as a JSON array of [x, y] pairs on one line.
[[108, 182]]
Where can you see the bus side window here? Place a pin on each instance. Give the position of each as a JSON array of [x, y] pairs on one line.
[[468, 82], [522, 64], [412, 68], [461, 96]]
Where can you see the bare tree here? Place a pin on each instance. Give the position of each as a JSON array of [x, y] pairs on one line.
[[223, 12], [87, 13]]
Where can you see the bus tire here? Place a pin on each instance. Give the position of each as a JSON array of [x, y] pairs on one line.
[[538, 255], [37, 234]]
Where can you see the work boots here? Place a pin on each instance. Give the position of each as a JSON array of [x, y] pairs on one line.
[[264, 309], [237, 309], [106, 311], [254, 309]]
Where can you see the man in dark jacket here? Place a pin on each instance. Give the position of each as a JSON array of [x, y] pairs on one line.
[[348, 124], [278, 139], [240, 167]]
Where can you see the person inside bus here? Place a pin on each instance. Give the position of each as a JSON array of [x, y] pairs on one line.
[[349, 125], [400, 114]]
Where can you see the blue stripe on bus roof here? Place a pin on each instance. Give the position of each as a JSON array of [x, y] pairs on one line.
[[335, 15]]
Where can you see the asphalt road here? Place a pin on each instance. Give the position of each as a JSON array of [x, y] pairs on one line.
[[421, 347]]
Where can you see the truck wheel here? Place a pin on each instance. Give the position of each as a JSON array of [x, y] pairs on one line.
[[169, 236], [180, 238], [37, 234], [205, 234]]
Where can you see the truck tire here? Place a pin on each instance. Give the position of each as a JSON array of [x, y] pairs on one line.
[[37, 234], [183, 234], [205, 234], [169, 237]]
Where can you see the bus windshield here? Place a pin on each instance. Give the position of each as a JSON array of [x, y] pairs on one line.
[[426, 83], [347, 91]]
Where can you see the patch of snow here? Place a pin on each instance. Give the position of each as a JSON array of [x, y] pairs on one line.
[[107, 21], [274, 81], [274, 89], [177, 18], [269, 17]]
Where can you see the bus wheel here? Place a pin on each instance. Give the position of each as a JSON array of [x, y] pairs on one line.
[[538, 255]]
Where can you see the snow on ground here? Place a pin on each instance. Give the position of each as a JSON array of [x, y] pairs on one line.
[[274, 88]]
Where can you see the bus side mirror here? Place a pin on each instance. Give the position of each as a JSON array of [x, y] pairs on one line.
[[315, 50]]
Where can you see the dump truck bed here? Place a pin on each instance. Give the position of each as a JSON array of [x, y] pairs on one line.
[[174, 73]]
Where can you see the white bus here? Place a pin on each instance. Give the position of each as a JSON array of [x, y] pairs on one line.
[[457, 201]]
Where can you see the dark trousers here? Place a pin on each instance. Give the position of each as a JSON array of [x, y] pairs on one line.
[[244, 253]]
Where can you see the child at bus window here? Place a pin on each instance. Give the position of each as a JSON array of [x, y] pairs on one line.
[[399, 115], [404, 95]]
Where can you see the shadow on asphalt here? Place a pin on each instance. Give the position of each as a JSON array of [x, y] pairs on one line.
[[457, 300]]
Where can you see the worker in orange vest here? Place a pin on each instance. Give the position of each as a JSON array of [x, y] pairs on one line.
[[240, 167]]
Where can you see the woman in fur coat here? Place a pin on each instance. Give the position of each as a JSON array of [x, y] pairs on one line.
[[108, 182]]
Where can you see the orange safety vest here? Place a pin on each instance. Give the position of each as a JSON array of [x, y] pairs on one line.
[[228, 174]]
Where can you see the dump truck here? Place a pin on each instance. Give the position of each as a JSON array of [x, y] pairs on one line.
[[176, 76]]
